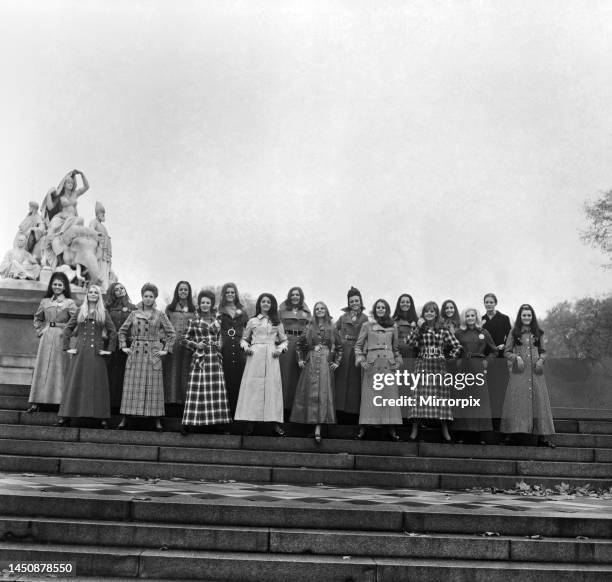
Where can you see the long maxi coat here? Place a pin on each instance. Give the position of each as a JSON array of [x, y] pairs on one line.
[[206, 398], [51, 360], [117, 360], [477, 346], [294, 323], [261, 390], [347, 376], [177, 364], [431, 343], [408, 354], [378, 346], [499, 327], [143, 386], [314, 401], [527, 405], [232, 329], [87, 393]]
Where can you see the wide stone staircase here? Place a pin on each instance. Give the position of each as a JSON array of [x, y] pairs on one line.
[[208, 537]]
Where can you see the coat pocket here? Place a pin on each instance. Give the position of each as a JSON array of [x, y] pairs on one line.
[[156, 362]]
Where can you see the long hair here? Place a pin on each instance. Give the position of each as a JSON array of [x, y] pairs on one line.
[[60, 277], [385, 320], [455, 319], [112, 301], [432, 305], [327, 320], [536, 331], [478, 324], [99, 311], [211, 296], [288, 302], [223, 303], [273, 313], [175, 299], [412, 315]]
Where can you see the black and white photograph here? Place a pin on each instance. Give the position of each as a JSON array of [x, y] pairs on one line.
[[308, 290]]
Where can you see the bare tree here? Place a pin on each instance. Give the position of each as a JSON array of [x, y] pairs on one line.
[[599, 232]]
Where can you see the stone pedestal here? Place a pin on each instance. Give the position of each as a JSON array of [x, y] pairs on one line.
[[18, 340]]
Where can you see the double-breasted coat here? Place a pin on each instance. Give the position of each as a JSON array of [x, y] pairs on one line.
[[86, 393], [314, 401], [51, 360], [432, 343], [527, 404], [261, 390], [347, 376], [206, 398], [143, 386], [378, 348]]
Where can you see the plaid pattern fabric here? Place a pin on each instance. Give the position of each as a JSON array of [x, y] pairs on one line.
[[431, 344], [206, 398], [143, 384]]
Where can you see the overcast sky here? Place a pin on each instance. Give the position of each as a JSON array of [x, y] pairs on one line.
[[443, 149]]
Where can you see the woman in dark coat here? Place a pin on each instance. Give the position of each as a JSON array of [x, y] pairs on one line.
[[233, 319], [152, 337], [499, 326], [206, 399], [348, 376], [405, 319], [319, 355], [86, 393], [294, 315], [119, 307], [477, 351], [177, 363]]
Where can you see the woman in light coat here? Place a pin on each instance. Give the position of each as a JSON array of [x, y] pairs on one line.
[[261, 391]]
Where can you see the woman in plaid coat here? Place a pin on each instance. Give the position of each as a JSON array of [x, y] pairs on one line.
[[432, 340], [206, 398], [152, 337]]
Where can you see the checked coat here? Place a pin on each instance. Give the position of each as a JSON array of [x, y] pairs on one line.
[[431, 344], [143, 384], [206, 398]]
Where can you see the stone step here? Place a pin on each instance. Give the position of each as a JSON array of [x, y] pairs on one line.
[[302, 541], [244, 567], [14, 402], [595, 427], [14, 390], [16, 375], [295, 445], [279, 459], [17, 361], [531, 473], [295, 513]]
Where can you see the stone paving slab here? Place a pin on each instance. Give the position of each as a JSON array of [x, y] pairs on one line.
[[100, 488]]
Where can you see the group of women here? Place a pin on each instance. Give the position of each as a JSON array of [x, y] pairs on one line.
[[287, 363]]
